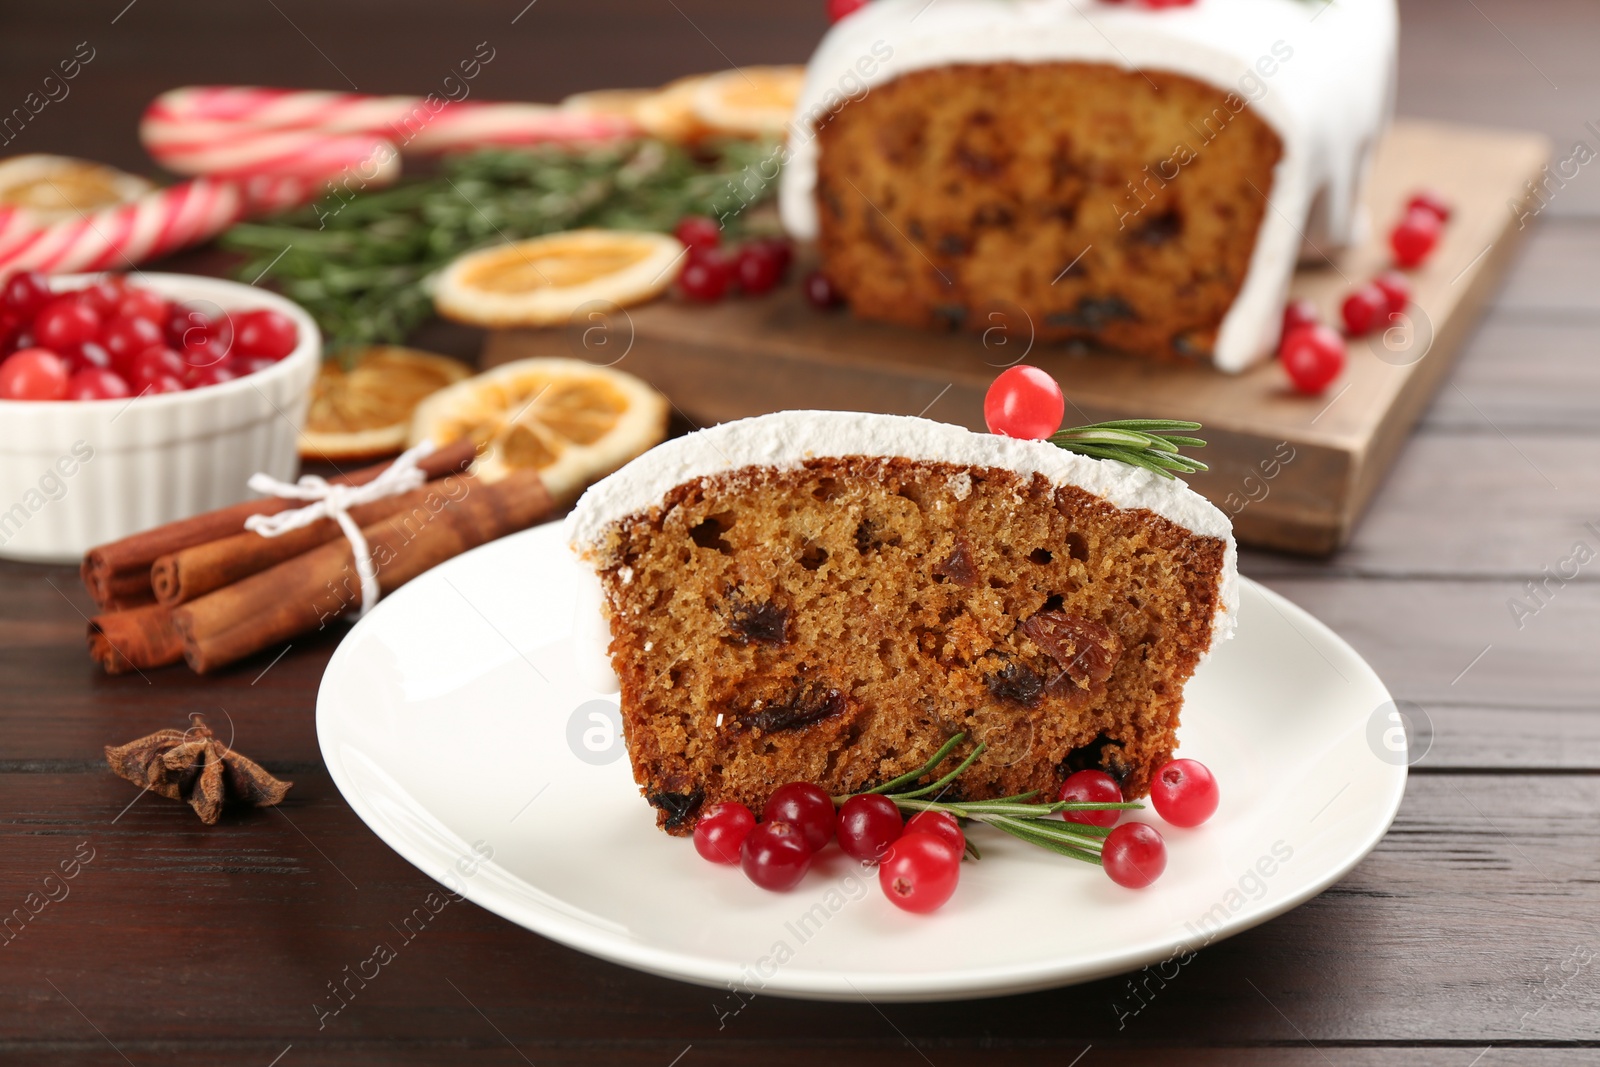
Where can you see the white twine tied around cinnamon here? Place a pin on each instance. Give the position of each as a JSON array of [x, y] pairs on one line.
[[334, 502]]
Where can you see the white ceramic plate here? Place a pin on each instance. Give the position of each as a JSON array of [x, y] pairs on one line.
[[453, 721]]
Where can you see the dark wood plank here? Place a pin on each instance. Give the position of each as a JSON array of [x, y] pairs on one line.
[[191, 946], [244, 925], [795, 1053]]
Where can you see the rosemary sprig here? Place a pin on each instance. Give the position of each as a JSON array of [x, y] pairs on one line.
[[1149, 443], [1019, 815], [360, 262]]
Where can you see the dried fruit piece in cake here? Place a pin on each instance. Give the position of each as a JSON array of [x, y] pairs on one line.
[[828, 597]]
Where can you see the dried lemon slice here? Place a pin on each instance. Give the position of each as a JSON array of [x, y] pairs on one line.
[[749, 101], [571, 421], [366, 410], [543, 281], [53, 188]]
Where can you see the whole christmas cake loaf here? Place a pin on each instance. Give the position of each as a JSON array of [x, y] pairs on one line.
[[1139, 176]]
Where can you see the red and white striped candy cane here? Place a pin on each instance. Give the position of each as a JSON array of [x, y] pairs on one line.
[[156, 224], [223, 130]]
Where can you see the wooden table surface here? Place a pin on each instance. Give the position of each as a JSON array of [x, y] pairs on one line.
[[1468, 937]]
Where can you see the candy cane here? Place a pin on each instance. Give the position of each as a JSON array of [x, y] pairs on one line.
[[222, 130], [154, 225]]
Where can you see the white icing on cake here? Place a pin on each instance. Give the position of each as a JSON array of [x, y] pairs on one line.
[[1328, 102], [787, 439]]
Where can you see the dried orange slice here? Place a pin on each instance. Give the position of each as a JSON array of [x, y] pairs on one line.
[[52, 188], [571, 421], [624, 103], [366, 410], [543, 281], [749, 101], [669, 114]]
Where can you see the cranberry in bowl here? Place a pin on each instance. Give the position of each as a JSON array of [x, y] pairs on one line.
[[127, 401]]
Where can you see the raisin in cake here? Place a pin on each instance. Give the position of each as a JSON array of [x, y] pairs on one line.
[[830, 596], [1141, 179]]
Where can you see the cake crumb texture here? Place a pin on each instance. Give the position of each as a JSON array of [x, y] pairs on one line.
[[836, 622], [1075, 200]]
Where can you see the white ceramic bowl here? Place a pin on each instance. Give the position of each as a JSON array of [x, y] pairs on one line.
[[78, 473]]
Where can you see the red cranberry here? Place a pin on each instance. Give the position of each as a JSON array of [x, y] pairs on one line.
[[267, 333], [1091, 787], [1185, 792], [243, 365], [212, 374], [758, 267], [1396, 289], [699, 232], [126, 337], [868, 825], [1415, 237], [25, 293], [807, 808], [820, 292], [162, 383], [97, 383], [775, 856], [1364, 309], [209, 353], [103, 296], [144, 304], [89, 354], [919, 873], [1301, 312], [155, 362], [33, 374], [838, 9], [64, 321], [706, 278], [1431, 201], [1313, 356], [188, 325], [940, 824], [1134, 855], [720, 831], [1024, 402]]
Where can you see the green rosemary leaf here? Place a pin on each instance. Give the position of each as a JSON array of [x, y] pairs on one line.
[[1028, 833], [1149, 443], [926, 768], [1053, 828], [1160, 426], [934, 787], [971, 809]]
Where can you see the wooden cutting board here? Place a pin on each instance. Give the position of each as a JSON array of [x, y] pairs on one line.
[[1294, 472]]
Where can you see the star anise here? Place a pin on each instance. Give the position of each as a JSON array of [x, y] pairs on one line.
[[193, 765]]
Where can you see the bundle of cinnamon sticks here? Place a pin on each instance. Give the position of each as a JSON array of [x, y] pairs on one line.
[[207, 591]]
